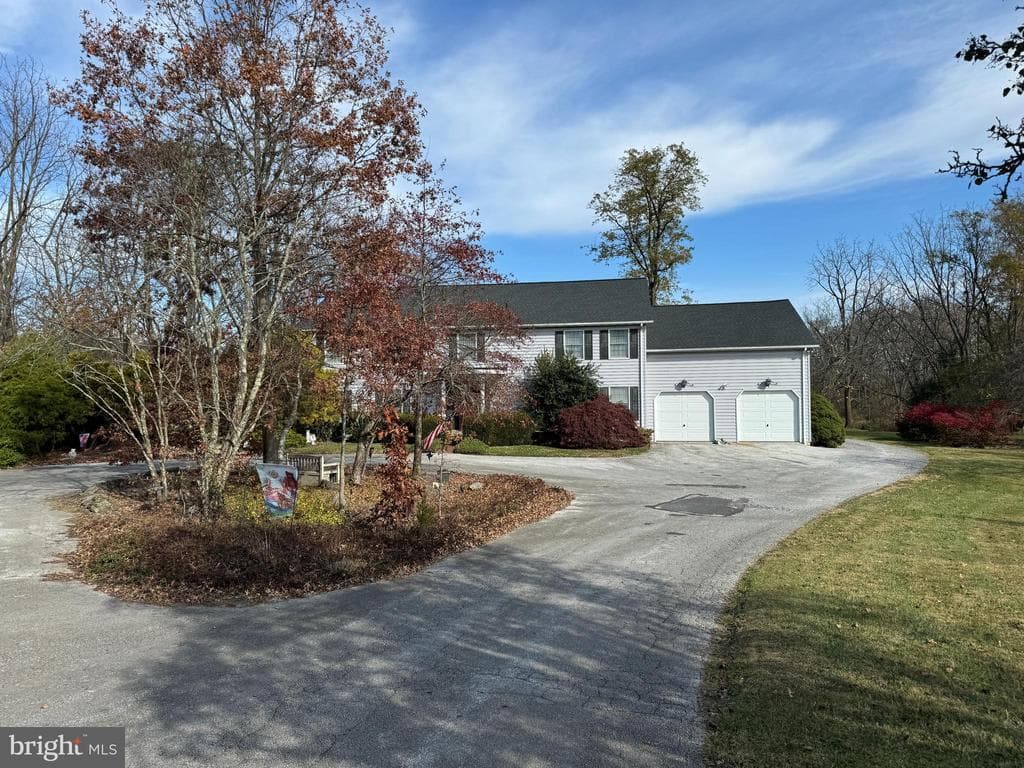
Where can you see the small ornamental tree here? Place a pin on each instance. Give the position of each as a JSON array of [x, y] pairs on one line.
[[555, 383], [827, 429], [399, 492], [598, 423], [441, 244]]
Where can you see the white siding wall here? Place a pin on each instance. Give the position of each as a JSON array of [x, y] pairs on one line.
[[612, 373], [724, 375]]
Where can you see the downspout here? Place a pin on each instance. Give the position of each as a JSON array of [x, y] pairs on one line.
[[643, 375], [805, 397]]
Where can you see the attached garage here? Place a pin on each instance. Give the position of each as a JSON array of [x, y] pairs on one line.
[[684, 417], [764, 416], [728, 373]]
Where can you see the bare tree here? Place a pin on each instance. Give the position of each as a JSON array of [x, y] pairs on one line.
[[848, 274], [941, 268], [34, 153]]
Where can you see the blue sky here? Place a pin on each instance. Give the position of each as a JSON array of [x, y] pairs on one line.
[[811, 119]]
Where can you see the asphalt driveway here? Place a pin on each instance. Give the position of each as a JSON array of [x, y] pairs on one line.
[[577, 641]]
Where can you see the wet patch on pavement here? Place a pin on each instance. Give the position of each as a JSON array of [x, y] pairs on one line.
[[702, 505]]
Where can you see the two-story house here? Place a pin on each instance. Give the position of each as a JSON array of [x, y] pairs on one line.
[[694, 372]]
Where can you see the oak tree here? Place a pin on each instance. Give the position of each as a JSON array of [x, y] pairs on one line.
[[644, 210]]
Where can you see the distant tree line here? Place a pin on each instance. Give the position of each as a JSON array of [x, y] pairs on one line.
[[935, 314]]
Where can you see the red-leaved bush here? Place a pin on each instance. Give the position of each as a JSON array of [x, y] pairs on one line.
[[958, 426], [598, 423]]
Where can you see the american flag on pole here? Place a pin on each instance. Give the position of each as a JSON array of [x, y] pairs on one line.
[[434, 433]]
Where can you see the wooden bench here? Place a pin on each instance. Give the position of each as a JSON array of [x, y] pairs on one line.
[[324, 468]]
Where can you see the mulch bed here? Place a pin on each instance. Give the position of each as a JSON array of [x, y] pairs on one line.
[[135, 548]]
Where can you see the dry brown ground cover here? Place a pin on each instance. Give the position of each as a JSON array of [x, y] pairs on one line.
[[135, 548]]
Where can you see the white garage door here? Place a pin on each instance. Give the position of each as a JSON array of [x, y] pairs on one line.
[[768, 416], [683, 416]]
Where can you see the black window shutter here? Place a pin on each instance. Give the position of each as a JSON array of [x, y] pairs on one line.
[[634, 402], [480, 346], [588, 345], [604, 345], [634, 343], [559, 344], [453, 347]]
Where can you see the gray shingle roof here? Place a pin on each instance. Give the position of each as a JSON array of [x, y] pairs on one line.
[[739, 324], [565, 302]]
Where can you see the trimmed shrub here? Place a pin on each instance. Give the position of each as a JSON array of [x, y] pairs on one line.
[[472, 445], [957, 426], [293, 440], [553, 384], [501, 428], [10, 456], [598, 423], [827, 430]]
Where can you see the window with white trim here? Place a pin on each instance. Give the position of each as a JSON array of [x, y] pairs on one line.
[[619, 395], [573, 345], [465, 344], [618, 344]]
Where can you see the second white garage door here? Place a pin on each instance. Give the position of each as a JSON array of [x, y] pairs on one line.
[[683, 416], [767, 416]]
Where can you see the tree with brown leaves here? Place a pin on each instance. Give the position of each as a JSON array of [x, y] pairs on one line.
[[441, 243], [227, 144]]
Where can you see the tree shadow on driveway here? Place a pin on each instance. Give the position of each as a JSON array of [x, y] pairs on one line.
[[491, 658]]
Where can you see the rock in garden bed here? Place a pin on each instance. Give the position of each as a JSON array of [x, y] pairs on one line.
[[135, 548]]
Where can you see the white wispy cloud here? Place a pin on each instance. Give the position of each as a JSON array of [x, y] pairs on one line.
[[531, 128], [15, 17]]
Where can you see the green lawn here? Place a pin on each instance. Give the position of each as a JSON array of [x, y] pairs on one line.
[[874, 434], [549, 451], [888, 632], [331, 448]]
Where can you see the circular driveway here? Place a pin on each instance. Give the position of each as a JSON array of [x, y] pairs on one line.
[[576, 641]]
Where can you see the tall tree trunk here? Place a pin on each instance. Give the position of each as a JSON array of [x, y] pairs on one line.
[[7, 328], [417, 437], [848, 405], [359, 460], [272, 445]]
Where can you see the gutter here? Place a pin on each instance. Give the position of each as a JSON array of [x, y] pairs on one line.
[[651, 350], [603, 324]]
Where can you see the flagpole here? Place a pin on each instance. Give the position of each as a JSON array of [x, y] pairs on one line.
[[440, 474]]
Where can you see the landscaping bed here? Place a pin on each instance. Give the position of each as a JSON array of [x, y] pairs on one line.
[[136, 548], [476, 448], [888, 632]]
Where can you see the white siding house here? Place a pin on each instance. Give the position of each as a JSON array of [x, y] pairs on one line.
[[697, 372]]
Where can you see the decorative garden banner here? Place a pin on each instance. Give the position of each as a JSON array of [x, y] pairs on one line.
[[280, 487]]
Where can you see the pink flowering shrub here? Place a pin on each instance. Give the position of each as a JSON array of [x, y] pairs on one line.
[[958, 426]]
